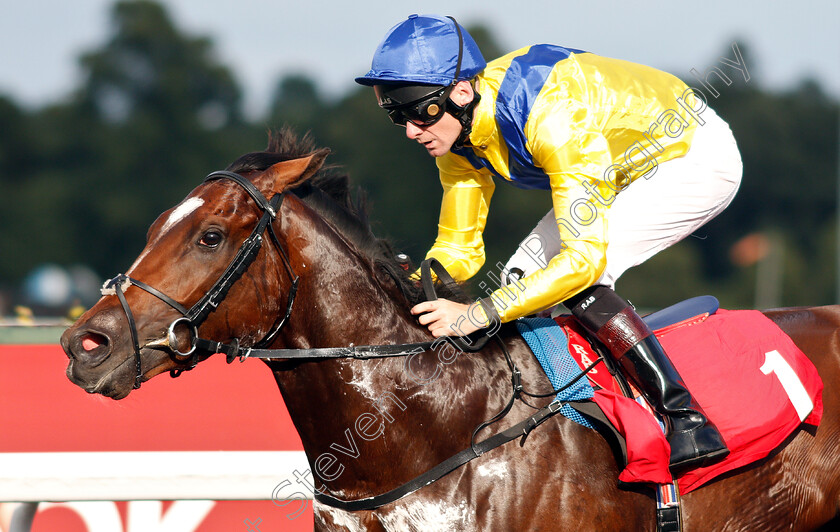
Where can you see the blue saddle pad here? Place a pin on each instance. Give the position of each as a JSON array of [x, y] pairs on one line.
[[551, 347]]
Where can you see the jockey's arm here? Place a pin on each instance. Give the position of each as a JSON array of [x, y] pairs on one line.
[[459, 245], [574, 155]]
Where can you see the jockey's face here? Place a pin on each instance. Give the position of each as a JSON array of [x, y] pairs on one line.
[[439, 137]]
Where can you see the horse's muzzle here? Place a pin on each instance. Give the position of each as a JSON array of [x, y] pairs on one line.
[[89, 347]]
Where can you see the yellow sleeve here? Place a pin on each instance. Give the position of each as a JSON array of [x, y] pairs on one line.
[[566, 144], [463, 214]]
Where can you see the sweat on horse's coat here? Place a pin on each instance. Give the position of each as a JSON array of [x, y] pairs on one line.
[[353, 291]]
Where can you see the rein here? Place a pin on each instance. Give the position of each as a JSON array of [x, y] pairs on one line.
[[194, 316]]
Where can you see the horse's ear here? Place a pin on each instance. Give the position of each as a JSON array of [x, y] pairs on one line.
[[288, 174]]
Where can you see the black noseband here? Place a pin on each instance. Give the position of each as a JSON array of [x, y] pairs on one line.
[[195, 316]]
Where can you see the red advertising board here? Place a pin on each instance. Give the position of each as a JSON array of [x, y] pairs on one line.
[[215, 407]]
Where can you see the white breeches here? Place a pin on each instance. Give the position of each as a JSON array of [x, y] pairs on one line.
[[652, 214]]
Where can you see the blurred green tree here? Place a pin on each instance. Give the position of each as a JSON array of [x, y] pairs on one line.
[[297, 103], [155, 112], [82, 179], [148, 67]]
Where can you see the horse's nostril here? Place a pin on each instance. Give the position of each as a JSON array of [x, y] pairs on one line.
[[92, 341]]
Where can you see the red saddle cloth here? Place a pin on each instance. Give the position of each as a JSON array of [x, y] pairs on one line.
[[749, 377]]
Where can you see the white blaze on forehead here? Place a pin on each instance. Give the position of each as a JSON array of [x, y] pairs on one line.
[[178, 213], [181, 211]]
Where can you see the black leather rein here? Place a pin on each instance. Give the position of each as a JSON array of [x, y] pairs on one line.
[[193, 317]]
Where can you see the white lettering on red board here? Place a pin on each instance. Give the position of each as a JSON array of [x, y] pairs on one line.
[[143, 516]]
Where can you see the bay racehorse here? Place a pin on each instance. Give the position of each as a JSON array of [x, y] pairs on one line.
[[318, 278]]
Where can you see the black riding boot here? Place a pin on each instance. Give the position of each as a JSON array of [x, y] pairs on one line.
[[694, 440]]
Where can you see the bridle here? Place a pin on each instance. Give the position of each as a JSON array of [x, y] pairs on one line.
[[193, 317]]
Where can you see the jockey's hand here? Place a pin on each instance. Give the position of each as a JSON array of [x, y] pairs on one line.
[[447, 318]]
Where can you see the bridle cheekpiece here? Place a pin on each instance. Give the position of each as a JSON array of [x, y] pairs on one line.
[[193, 317]]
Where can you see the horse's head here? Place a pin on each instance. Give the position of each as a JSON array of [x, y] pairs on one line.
[[186, 277]]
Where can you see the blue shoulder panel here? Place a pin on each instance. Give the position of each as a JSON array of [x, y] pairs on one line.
[[523, 81], [520, 87]]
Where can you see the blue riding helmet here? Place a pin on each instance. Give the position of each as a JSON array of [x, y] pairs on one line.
[[424, 49]]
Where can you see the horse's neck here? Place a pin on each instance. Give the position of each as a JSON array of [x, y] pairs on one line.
[[368, 426], [341, 304], [360, 417]]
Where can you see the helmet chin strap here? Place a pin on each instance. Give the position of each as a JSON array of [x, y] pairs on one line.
[[464, 114]]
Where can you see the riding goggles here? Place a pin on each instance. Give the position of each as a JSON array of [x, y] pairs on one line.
[[422, 105]]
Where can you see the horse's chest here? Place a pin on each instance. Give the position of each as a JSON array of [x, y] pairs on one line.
[[414, 515]]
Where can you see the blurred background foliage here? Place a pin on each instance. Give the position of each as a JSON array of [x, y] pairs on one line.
[[82, 179]]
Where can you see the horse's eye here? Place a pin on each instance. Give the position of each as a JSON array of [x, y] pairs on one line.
[[210, 239]]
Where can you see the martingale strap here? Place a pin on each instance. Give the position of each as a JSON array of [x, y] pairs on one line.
[[521, 429]]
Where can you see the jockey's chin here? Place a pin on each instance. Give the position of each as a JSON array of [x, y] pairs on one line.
[[436, 148], [437, 138]]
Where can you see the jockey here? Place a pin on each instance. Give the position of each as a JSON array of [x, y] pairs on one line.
[[634, 161]]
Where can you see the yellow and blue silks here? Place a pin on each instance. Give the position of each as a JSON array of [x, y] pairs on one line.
[[576, 124]]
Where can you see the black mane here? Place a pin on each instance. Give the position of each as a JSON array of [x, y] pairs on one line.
[[328, 192]]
